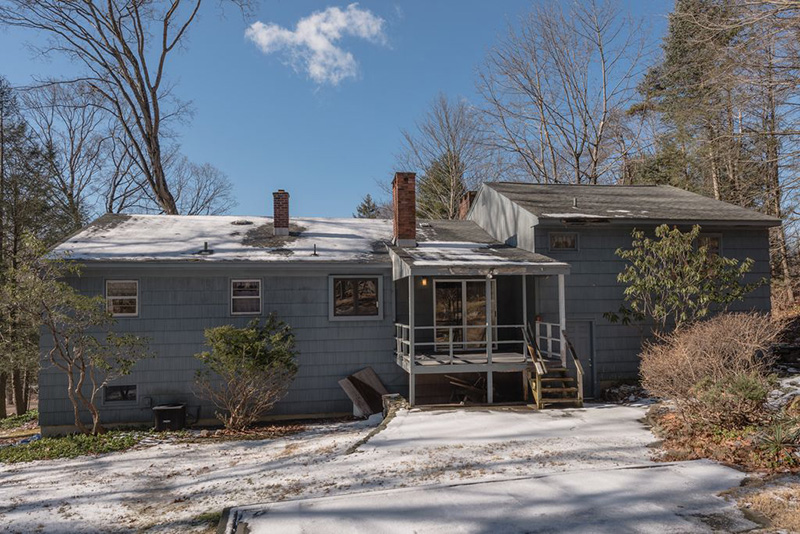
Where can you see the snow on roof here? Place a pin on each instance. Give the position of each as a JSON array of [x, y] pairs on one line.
[[182, 237], [443, 253]]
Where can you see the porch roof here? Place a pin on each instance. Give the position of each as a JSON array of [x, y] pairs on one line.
[[464, 248]]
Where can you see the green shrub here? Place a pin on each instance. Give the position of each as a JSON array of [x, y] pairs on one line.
[[15, 421], [780, 443], [734, 401], [69, 446], [247, 370]]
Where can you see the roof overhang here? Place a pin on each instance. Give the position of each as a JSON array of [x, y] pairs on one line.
[[404, 265]]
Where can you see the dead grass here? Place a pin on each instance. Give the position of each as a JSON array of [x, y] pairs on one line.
[[778, 502], [741, 447], [254, 433]]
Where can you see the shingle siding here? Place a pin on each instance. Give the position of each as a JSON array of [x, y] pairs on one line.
[[176, 307], [592, 289]]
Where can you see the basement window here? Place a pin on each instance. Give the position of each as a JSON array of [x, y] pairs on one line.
[[355, 297], [245, 297], [563, 241], [119, 394], [122, 298]]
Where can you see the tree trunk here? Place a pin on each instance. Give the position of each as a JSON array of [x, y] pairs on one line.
[[26, 391], [3, 380], [775, 190], [19, 392]]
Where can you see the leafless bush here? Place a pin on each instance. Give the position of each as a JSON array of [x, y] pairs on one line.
[[716, 371]]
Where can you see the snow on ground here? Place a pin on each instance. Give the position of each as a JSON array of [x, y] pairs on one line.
[[665, 498], [788, 388], [164, 488]]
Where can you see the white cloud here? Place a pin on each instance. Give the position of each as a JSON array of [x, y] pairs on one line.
[[312, 45]]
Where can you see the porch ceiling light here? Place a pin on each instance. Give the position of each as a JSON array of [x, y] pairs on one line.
[[424, 282]]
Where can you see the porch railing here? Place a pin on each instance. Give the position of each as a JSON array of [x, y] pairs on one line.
[[546, 335], [548, 339]]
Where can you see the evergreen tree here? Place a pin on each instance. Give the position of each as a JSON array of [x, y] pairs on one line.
[[26, 209], [367, 209], [441, 188]]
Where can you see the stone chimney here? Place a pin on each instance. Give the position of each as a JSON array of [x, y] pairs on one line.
[[466, 204], [280, 212], [404, 202]]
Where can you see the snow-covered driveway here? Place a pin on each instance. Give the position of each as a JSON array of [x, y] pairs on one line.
[[166, 487]]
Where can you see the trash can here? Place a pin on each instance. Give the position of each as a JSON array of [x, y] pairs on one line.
[[170, 417]]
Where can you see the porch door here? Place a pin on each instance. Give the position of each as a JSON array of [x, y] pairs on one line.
[[461, 304]]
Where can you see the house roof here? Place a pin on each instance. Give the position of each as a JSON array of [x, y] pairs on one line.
[[463, 247], [182, 237], [657, 203]]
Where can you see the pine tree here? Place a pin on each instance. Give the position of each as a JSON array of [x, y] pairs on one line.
[[367, 209], [26, 209], [441, 188]]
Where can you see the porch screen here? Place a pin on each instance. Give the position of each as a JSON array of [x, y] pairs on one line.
[[355, 297], [460, 313]]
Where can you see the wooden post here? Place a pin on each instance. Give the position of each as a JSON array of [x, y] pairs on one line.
[[412, 354], [525, 374], [489, 378], [562, 318], [525, 300]]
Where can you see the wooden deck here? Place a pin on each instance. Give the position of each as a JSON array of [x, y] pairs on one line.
[[467, 362]]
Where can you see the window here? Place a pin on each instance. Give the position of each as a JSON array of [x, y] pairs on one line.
[[563, 241], [712, 242], [355, 297], [245, 297], [122, 298], [119, 394]]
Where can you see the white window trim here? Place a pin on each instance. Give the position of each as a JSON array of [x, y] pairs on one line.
[[110, 404], [376, 317], [260, 293], [549, 242], [136, 298]]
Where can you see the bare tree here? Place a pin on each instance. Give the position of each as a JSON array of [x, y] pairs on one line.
[[764, 77], [124, 46], [200, 189], [70, 127], [449, 148], [123, 189], [551, 87]]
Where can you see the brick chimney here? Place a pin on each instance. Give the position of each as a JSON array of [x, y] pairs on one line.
[[466, 204], [404, 202], [280, 212]]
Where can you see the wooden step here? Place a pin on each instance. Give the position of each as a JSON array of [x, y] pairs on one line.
[[559, 390], [560, 401], [556, 370], [557, 379]]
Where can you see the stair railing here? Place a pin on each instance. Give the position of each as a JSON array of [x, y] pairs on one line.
[[539, 365], [578, 366]]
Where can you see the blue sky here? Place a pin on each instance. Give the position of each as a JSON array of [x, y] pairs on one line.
[[269, 126]]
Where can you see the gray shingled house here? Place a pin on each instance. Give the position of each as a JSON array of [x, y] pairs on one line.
[[405, 297]]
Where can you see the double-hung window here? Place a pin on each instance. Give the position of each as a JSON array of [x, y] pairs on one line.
[[245, 297], [355, 297], [122, 298]]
